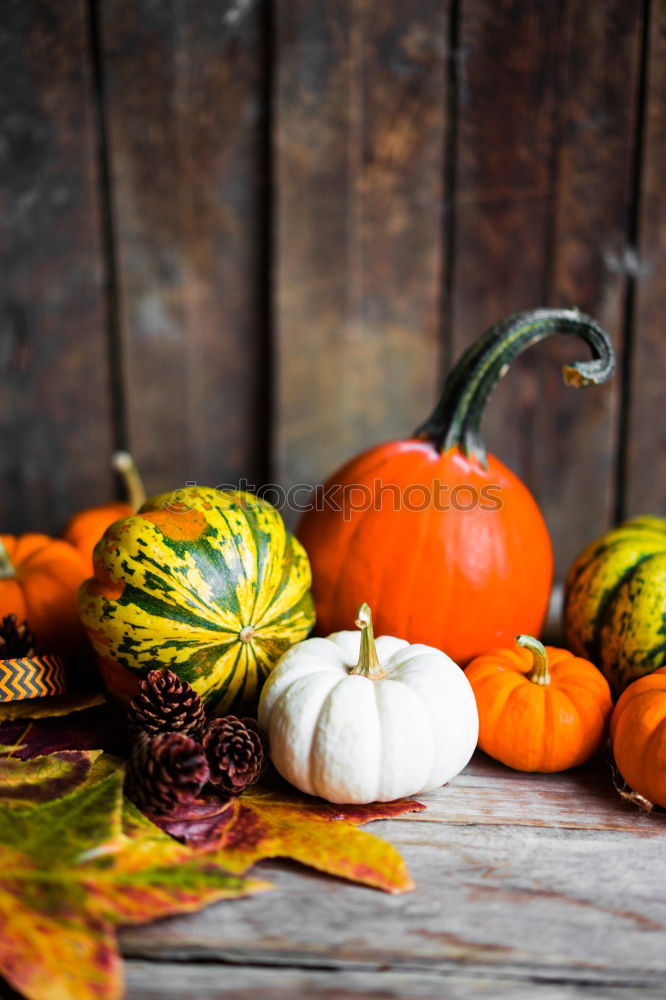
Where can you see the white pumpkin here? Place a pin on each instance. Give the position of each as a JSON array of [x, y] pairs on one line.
[[356, 721]]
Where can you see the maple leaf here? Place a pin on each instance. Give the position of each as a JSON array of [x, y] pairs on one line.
[[73, 868], [51, 707], [24, 783], [272, 821], [83, 727]]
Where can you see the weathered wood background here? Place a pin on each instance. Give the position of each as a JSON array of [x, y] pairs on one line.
[[246, 238]]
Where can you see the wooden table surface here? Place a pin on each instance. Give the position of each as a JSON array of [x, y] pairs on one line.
[[526, 885]]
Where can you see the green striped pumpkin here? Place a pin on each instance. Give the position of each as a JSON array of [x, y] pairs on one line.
[[204, 582], [615, 601]]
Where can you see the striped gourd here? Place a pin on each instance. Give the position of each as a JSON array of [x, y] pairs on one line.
[[204, 582], [615, 601]]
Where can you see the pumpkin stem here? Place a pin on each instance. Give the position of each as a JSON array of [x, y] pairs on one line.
[[368, 662], [539, 674], [6, 566], [455, 421], [125, 466]]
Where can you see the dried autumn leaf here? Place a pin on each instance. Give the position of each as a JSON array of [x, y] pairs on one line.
[[271, 822], [71, 870], [24, 783], [49, 708], [91, 728]]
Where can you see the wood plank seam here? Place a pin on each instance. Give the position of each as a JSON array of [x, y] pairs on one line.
[[444, 967]]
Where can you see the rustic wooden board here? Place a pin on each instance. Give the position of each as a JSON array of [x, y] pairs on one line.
[[496, 896], [488, 793], [575, 432], [506, 135], [360, 107], [184, 98], [55, 408], [153, 981], [646, 442], [543, 181]]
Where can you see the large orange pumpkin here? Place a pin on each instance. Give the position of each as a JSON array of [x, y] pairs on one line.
[[85, 528], [442, 538], [638, 736], [39, 581], [540, 708]]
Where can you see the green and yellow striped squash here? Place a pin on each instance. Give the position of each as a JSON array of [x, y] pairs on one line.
[[615, 601], [204, 582]]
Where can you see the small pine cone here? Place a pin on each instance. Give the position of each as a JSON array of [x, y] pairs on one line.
[[166, 704], [165, 772], [16, 641], [236, 753]]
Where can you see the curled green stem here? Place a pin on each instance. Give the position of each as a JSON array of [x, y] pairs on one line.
[[456, 420]]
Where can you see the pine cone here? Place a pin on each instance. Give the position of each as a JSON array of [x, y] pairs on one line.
[[166, 771], [166, 704], [16, 641], [236, 753]]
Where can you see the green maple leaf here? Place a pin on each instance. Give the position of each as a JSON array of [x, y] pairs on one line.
[[76, 860], [71, 870]]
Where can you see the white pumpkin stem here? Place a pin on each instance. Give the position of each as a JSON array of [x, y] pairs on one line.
[[125, 466], [7, 570], [539, 674], [368, 662]]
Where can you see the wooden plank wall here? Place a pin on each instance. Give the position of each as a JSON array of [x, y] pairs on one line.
[[245, 238], [360, 126], [55, 402], [183, 94]]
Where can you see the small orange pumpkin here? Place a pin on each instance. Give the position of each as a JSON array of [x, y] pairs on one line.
[[85, 528], [39, 581], [638, 736], [540, 708]]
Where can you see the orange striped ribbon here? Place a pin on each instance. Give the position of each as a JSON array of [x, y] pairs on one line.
[[31, 677]]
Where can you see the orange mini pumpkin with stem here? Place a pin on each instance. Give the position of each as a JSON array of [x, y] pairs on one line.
[[540, 708], [85, 528], [39, 580], [638, 736]]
